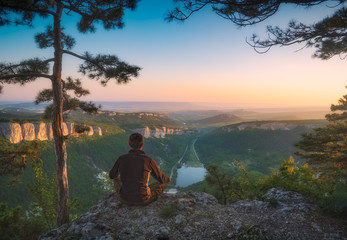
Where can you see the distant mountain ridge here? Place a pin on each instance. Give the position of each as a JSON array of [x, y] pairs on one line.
[[127, 120], [220, 118]]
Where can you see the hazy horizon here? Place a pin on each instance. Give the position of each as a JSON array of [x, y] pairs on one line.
[[205, 59], [132, 106]]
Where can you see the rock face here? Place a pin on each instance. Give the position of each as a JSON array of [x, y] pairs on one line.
[[90, 131], [28, 131], [15, 132], [41, 131], [11, 131], [199, 216], [158, 132], [97, 131], [268, 126]]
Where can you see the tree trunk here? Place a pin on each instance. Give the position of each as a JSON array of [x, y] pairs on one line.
[[57, 120]]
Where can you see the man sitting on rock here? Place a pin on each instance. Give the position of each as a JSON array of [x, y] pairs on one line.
[[131, 173]]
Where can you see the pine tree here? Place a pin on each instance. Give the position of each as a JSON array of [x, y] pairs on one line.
[[326, 147], [100, 67], [328, 36]]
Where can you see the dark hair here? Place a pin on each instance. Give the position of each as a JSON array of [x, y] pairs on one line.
[[136, 140]]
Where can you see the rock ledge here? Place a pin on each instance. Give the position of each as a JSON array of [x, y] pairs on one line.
[[191, 215]]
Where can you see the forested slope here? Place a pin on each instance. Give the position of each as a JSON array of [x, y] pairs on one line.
[[88, 156], [259, 150]]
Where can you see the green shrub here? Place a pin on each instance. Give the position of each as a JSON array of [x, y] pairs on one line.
[[14, 225], [44, 191], [226, 188], [330, 196], [336, 202]]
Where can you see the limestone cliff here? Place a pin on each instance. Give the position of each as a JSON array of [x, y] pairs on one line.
[[282, 215], [11, 131], [28, 131], [16, 132], [268, 126], [158, 132]]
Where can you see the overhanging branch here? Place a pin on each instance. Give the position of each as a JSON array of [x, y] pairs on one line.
[[26, 9], [14, 78], [83, 58]]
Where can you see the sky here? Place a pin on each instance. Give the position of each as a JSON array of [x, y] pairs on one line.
[[205, 59]]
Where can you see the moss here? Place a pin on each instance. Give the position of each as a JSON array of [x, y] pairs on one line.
[[168, 211]]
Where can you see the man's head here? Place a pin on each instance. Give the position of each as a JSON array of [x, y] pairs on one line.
[[136, 141]]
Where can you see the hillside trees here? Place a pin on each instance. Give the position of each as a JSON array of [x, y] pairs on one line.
[[328, 37], [326, 147], [99, 67], [14, 158]]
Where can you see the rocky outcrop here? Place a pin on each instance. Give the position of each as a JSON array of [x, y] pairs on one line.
[[41, 131], [90, 131], [282, 215], [28, 131], [11, 131], [16, 132], [97, 131], [49, 130], [158, 132]]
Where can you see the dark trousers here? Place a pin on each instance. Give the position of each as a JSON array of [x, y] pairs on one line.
[[156, 189]]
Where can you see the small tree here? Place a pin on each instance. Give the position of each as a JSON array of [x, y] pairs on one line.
[[220, 180], [99, 67], [45, 193], [14, 158], [329, 36], [326, 148]]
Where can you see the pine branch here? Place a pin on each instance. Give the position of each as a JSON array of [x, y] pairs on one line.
[[22, 78], [78, 56], [106, 67], [25, 71], [20, 7], [241, 13]]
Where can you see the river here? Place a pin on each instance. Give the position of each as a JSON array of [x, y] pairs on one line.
[[188, 175]]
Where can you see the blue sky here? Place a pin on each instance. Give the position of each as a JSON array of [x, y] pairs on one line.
[[204, 59]]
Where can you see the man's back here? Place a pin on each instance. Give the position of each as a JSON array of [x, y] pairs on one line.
[[135, 169]]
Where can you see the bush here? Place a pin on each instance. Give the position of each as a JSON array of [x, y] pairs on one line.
[[330, 196], [300, 179], [226, 188], [14, 225], [337, 201]]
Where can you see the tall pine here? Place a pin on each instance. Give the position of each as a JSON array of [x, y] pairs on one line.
[[99, 67], [326, 147]]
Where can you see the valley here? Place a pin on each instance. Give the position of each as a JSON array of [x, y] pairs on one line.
[[182, 146]]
